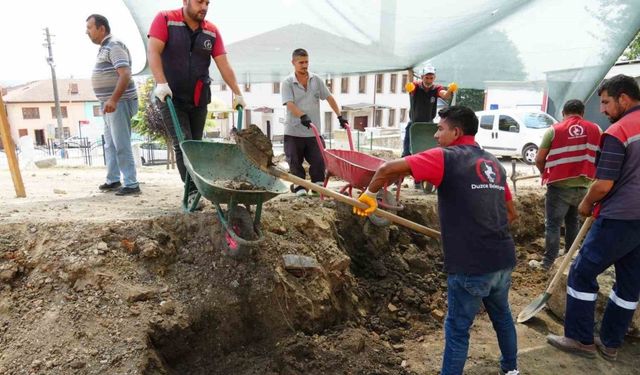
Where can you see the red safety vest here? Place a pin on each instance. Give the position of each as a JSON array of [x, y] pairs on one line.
[[573, 150]]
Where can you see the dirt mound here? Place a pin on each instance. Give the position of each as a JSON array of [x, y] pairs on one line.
[[157, 296]]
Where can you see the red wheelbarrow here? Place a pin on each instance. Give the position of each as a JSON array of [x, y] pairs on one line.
[[357, 169]]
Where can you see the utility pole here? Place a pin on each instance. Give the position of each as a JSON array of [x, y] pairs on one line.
[[56, 98]]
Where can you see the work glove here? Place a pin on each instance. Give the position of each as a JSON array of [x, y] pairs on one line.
[[238, 101], [370, 200], [343, 122], [453, 87], [161, 91], [305, 121], [409, 87]]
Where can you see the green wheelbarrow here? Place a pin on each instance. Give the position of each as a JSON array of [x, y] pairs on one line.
[[223, 175], [421, 139]]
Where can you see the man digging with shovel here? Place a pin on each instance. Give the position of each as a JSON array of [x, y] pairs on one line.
[[474, 200], [614, 238]]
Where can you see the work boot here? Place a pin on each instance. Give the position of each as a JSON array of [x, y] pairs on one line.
[[572, 346], [128, 191], [110, 187], [610, 354]]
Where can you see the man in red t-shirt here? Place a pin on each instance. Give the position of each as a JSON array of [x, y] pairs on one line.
[[475, 209], [180, 48]]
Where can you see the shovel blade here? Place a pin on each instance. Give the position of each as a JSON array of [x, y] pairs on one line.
[[255, 146], [533, 308]]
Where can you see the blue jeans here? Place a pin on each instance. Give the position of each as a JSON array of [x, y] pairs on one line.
[[117, 143], [561, 205], [465, 293]]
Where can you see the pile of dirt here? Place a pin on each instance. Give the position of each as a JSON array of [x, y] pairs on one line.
[[157, 295], [236, 184]]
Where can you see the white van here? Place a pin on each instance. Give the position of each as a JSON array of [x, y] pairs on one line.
[[512, 132]]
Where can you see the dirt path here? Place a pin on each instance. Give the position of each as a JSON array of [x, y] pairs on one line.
[[91, 283]]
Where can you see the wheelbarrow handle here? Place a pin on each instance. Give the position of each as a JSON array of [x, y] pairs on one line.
[[353, 202], [174, 119], [240, 113], [314, 129]]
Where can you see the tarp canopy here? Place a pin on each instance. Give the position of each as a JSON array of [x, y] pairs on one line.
[[568, 44]]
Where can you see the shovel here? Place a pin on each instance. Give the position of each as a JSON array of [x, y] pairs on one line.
[[534, 307], [258, 149]]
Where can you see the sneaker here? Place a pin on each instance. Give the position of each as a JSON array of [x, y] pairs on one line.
[[572, 346], [417, 185], [128, 191], [610, 354], [512, 372], [110, 187], [314, 193], [301, 193]]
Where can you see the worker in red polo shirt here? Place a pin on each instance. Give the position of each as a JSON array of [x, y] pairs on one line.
[[474, 200], [180, 49]]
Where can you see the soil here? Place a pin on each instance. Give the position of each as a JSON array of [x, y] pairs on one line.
[[235, 184], [92, 283], [256, 145]]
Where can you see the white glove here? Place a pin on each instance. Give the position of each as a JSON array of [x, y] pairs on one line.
[[238, 100], [161, 91]]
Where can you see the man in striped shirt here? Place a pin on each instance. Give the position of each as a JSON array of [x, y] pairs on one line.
[[112, 84], [614, 238]]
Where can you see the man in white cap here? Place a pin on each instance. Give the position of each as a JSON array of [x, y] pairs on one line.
[[423, 99]]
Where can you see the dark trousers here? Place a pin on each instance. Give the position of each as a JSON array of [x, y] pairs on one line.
[[299, 149], [192, 121], [406, 144], [561, 205], [608, 242]]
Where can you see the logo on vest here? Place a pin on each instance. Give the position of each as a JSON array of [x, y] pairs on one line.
[[207, 44], [489, 175], [576, 131]]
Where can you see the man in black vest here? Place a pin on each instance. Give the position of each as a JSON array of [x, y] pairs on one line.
[[423, 103], [474, 199], [181, 46]]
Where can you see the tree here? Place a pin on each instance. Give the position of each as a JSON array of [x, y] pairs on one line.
[[487, 56], [148, 120], [472, 98], [633, 50]]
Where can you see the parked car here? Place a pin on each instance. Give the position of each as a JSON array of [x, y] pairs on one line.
[[512, 132], [153, 153], [72, 142]]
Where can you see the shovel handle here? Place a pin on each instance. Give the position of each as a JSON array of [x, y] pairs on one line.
[[569, 256], [354, 202]]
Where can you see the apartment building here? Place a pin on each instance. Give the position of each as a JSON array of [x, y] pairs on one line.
[[370, 102], [31, 110]]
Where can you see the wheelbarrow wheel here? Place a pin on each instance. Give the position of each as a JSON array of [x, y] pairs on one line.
[[240, 221], [388, 198]]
